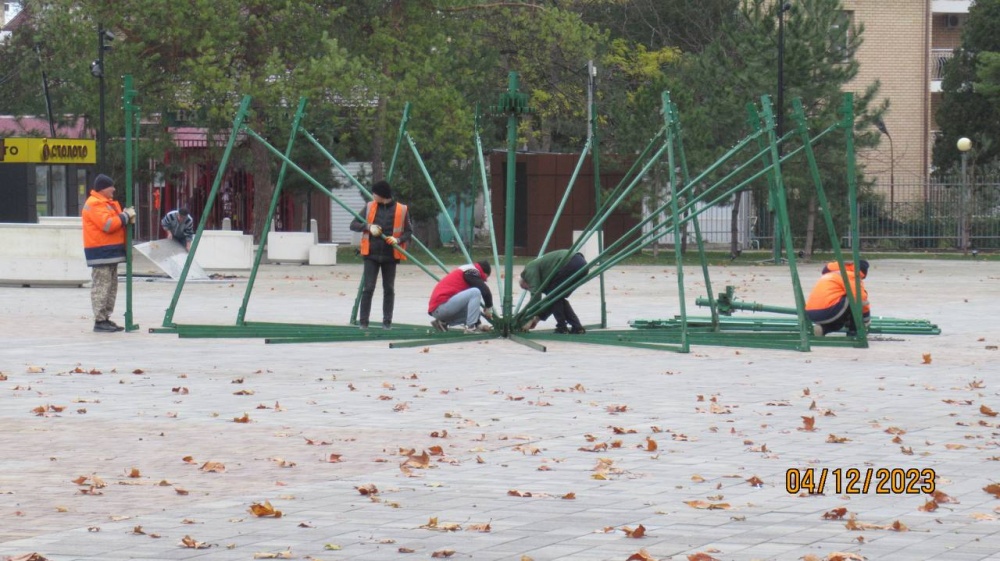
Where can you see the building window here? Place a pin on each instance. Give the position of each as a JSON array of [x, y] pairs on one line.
[[841, 34]]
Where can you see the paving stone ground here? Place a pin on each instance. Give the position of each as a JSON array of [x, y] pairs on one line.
[[509, 421]]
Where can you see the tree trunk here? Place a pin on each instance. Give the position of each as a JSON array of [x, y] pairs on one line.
[[811, 227], [263, 187], [734, 226], [378, 140]]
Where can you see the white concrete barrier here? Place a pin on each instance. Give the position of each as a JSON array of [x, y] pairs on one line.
[[48, 253], [225, 250], [323, 254], [290, 247]]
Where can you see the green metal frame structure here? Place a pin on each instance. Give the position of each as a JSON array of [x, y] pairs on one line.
[[754, 158]]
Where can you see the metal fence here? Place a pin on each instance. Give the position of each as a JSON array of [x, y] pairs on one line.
[[941, 215]]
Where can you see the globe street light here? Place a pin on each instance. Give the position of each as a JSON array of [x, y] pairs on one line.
[[964, 145]]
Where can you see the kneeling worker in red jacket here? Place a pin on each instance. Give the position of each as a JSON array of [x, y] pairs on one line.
[[456, 299]]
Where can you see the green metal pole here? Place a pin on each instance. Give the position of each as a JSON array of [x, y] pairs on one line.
[[364, 190], [299, 113], [596, 143], [129, 186], [399, 140], [437, 196], [782, 212], [847, 110], [669, 116], [488, 207], [241, 115], [693, 218], [295, 167], [565, 198], [798, 113], [510, 204]]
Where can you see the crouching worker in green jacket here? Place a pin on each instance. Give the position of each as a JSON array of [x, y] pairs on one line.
[[535, 273]]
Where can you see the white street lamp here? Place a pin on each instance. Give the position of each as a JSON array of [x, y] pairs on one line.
[[965, 224]]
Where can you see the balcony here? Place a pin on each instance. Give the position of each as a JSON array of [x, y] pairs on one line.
[[938, 58], [950, 6]]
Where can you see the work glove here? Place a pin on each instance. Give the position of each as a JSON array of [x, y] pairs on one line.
[[488, 312], [130, 212], [391, 240], [375, 229]]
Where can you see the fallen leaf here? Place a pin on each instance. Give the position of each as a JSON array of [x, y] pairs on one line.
[[835, 514], [443, 553], [639, 532], [808, 424], [213, 467], [191, 543], [701, 557], [642, 555], [987, 411], [367, 490], [844, 556], [927, 358], [478, 527], [287, 554], [707, 505], [993, 489], [265, 509]]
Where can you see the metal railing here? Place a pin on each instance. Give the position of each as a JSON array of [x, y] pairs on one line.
[[924, 216], [938, 59]]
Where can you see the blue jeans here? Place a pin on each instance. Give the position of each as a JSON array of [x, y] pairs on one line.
[[460, 309]]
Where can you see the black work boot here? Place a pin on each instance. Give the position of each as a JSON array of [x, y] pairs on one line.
[[104, 327]]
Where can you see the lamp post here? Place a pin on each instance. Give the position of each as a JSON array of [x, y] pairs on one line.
[[880, 125], [780, 121], [964, 145], [97, 70]]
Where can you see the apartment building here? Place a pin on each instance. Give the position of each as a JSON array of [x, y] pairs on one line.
[[906, 43]]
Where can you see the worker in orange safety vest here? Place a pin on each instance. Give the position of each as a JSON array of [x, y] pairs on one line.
[[828, 307], [104, 222], [380, 249]]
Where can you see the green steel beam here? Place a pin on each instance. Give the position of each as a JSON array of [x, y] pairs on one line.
[[241, 115], [130, 162], [272, 208]]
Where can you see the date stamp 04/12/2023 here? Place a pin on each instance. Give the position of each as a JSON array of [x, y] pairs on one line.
[[861, 481]]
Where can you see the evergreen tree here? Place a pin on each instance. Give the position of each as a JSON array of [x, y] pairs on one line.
[[970, 101]]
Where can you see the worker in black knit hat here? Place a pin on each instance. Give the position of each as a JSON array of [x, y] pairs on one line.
[[385, 229]]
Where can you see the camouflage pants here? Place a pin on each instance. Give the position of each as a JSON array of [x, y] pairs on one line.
[[104, 290]]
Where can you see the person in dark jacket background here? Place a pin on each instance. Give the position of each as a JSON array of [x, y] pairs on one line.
[[179, 226], [385, 229], [456, 298]]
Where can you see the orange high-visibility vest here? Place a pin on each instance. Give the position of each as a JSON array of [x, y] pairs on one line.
[[398, 223], [830, 289]]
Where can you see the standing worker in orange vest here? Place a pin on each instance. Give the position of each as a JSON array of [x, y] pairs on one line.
[[104, 224], [381, 252]]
